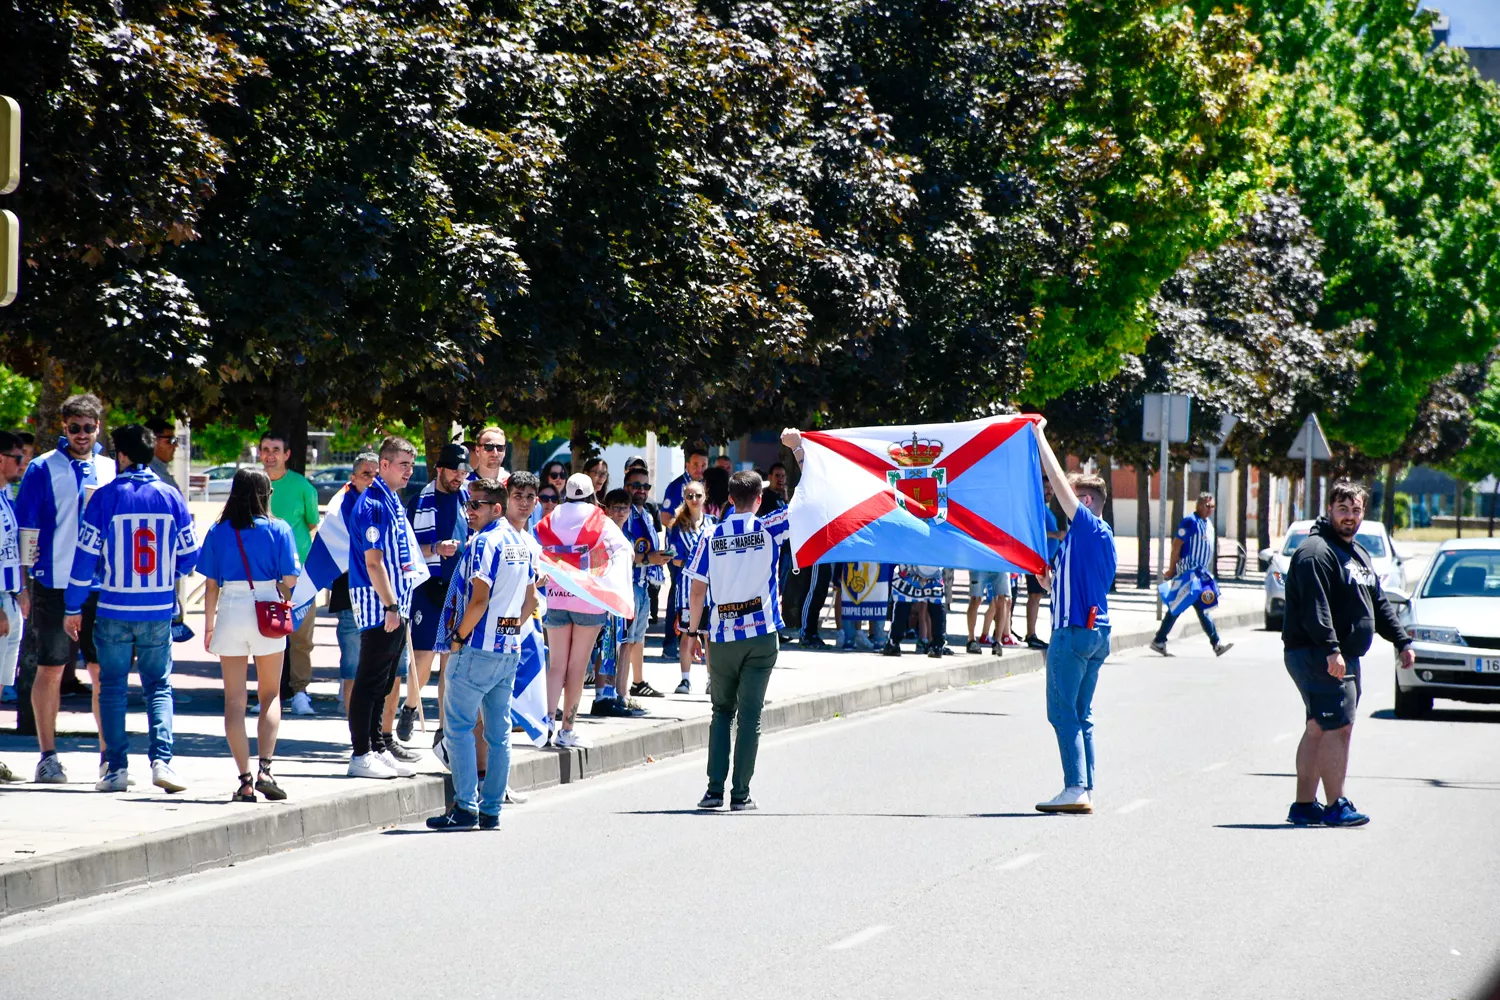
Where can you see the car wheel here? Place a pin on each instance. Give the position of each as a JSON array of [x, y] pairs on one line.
[[1411, 704], [1273, 623]]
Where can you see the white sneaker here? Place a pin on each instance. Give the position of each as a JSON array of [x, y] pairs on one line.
[[104, 769], [862, 642], [567, 738], [402, 771], [113, 781], [302, 704], [1073, 799], [1223, 648], [49, 771], [370, 765], [162, 776]]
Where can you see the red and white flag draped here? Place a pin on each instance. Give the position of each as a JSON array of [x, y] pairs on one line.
[[584, 553], [965, 495]]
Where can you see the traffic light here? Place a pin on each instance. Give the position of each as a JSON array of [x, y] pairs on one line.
[[10, 178]]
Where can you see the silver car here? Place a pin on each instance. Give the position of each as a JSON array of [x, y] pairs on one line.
[[1454, 620], [1388, 564]]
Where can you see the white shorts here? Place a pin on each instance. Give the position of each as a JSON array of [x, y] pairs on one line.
[[235, 630]]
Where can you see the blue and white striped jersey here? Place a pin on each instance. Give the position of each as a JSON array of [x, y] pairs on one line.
[[378, 521], [641, 534], [504, 560], [439, 517], [52, 493], [1083, 570], [1197, 537], [738, 559], [683, 543], [10, 546], [139, 528]]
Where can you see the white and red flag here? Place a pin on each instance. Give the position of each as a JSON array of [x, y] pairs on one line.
[[965, 496], [584, 553]]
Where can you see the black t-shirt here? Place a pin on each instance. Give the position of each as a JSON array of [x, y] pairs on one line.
[[338, 595]]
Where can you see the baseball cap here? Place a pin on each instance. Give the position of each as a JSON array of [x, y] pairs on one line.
[[453, 456], [580, 487]]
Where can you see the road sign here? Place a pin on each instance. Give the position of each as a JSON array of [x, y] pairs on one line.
[[10, 178], [1226, 427], [10, 256], [1310, 442], [1169, 412], [1223, 465]]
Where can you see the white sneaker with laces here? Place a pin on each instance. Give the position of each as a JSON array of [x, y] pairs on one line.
[[369, 765], [568, 739], [104, 769], [50, 771], [1223, 648], [402, 771], [862, 642], [113, 781], [302, 704], [1073, 799], [162, 776]]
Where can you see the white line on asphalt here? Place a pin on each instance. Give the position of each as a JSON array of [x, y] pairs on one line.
[[1020, 861], [1131, 807], [855, 940], [185, 887], [1214, 767]]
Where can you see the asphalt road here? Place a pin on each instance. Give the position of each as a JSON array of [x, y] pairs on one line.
[[896, 854]]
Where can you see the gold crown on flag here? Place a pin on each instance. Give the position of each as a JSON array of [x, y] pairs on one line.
[[916, 452]]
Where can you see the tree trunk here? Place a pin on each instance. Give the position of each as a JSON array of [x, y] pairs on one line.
[[1107, 471], [519, 454], [1492, 515], [580, 444], [1388, 507], [49, 402], [1263, 510], [1242, 502], [1142, 526], [435, 434], [289, 417], [1178, 480]]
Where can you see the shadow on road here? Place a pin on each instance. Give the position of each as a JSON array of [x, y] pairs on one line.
[[840, 815], [1444, 715], [1473, 786]]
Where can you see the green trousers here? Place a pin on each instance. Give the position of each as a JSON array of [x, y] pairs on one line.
[[738, 673]]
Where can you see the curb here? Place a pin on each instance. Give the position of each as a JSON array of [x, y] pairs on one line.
[[215, 843]]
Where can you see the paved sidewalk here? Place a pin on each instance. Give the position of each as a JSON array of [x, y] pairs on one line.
[[63, 841]]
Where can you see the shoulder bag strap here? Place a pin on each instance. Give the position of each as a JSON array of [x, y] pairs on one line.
[[244, 559]]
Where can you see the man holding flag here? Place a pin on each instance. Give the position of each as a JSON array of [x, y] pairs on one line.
[[1190, 578]]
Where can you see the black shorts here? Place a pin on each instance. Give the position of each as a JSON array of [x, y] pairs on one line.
[[1333, 703], [54, 648], [1034, 585]]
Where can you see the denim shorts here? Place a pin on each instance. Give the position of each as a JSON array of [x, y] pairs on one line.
[[558, 618], [635, 629], [987, 585]]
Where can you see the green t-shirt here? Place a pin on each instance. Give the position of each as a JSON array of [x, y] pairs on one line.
[[295, 501]]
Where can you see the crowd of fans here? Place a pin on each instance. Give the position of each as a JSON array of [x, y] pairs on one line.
[[94, 550]]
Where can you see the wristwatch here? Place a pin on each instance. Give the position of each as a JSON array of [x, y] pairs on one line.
[[393, 607]]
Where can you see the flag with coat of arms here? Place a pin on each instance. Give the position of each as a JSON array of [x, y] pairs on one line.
[[961, 495], [1189, 587]]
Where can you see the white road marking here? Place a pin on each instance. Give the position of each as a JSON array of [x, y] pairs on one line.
[[1214, 767], [1131, 807], [855, 940], [1455, 951], [1020, 861]]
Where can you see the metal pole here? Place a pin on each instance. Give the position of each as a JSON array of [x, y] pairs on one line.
[[1307, 483], [1213, 474], [1161, 539]]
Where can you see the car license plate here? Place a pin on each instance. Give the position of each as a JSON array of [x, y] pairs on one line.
[[1487, 665]]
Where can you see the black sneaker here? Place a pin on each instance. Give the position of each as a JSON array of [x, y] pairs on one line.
[[1305, 814], [1033, 642], [615, 708], [814, 642], [405, 720], [711, 800], [743, 805], [642, 689], [936, 652], [437, 737], [891, 649], [487, 822], [455, 819], [684, 688], [973, 647], [400, 752]]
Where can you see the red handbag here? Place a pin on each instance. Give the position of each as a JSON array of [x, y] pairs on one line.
[[273, 617]]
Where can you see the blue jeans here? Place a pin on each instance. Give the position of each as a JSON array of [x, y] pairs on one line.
[[148, 646], [849, 626], [348, 634], [1203, 619], [1073, 662], [478, 679]]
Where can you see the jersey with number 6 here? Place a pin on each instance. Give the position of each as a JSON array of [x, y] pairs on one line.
[[136, 537]]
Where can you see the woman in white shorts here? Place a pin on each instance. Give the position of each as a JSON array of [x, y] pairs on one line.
[[248, 556]]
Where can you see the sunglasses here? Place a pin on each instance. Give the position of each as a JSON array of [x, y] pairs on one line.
[[168, 440], [692, 496], [13, 455], [637, 486], [557, 475], [476, 504], [619, 509], [82, 428], [548, 498], [493, 447]]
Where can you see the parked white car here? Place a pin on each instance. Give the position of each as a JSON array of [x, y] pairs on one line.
[[1454, 620], [217, 480], [1388, 564]]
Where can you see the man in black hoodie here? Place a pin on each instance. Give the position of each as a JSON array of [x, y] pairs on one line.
[[1334, 607]]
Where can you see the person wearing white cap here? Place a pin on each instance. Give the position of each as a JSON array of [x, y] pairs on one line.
[[572, 623]]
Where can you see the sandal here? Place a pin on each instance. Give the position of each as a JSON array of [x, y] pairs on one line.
[[246, 792], [266, 785]]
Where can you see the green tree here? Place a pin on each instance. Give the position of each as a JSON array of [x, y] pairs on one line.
[[1390, 143], [1178, 104], [18, 395]]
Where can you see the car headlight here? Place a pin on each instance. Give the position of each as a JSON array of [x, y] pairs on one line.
[[1436, 633]]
